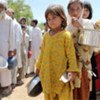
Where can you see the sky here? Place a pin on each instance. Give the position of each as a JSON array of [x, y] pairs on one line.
[[38, 7]]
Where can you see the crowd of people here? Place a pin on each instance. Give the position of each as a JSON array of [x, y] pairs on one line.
[[18, 40], [50, 53]]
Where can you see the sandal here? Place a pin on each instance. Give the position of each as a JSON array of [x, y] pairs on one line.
[[19, 83], [7, 91]]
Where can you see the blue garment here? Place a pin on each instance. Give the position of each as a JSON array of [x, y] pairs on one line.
[[12, 62]]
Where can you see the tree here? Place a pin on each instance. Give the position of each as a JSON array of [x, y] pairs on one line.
[[41, 25], [21, 9]]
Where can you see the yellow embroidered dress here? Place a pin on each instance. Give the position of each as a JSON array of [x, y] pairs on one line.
[[57, 53]]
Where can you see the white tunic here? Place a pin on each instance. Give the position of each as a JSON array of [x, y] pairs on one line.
[[7, 42], [18, 33], [36, 36], [7, 36], [36, 41]]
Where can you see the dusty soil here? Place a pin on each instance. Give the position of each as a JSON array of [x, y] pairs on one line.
[[20, 93]]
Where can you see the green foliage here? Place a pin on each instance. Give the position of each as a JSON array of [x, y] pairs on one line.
[[41, 26], [21, 9]]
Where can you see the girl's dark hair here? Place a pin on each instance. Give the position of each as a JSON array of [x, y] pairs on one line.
[[58, 11], [74, 1], [89, 7], [35, 21]]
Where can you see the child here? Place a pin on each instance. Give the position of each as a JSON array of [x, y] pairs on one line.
[[87, 14], [83, 52], [57, 57], [46, 29]]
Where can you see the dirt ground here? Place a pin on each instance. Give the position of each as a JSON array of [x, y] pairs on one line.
[[20, 93]]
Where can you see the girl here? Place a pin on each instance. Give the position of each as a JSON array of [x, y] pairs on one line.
[[57, 57], [83, 52], [87, 14]]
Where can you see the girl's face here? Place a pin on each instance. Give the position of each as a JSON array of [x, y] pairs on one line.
[[75, 10], [54, 21], [86, 13]]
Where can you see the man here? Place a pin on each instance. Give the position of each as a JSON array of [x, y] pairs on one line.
[[36, 41], [23, 23], [18, 33], [7, 46]]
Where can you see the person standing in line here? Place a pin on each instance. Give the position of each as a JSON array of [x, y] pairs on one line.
[[36, 42], [46, 29], [97, 57], [23, 22], [87, 14], [87, 11], [18, 33], [7, 47], [83, 52], [57, 57], [24, 50]]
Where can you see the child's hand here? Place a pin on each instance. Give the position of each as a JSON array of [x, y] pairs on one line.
[[29, 54], [37, 71], [71, 76], [76, 23]]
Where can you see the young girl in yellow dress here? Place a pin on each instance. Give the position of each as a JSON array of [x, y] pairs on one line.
[[57, 57]]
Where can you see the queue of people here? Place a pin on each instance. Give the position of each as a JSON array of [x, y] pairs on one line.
[[16, 41], [54, 54]]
